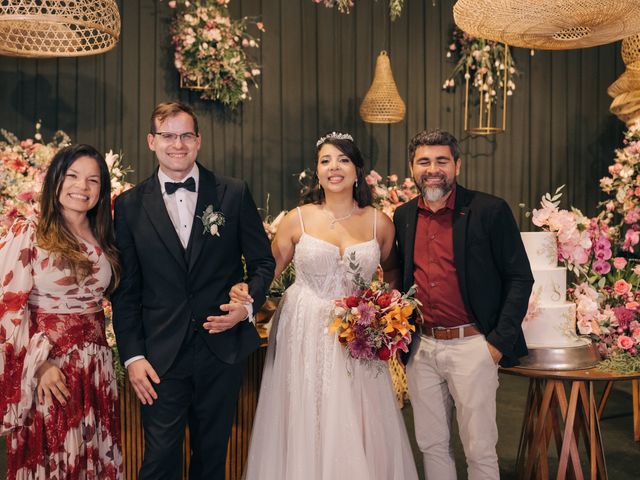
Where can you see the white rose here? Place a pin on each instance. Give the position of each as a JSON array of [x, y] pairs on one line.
[[214, 230]]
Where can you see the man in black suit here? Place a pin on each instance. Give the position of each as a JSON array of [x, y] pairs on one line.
[[464, 252], [183, 344]]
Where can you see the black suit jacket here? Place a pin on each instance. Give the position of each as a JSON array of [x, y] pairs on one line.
[[165, 292], [492, 266]]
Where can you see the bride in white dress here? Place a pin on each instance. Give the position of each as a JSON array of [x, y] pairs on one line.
[[322, 415]]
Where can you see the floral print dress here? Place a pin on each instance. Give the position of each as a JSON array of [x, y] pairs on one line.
[[46, 315]]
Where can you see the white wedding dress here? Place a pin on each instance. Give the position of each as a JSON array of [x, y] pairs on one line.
[[322, 415]]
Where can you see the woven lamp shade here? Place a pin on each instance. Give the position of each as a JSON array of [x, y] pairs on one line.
[[547, 24], [631, 50], [58, 28], [626, 89], [382, 103]]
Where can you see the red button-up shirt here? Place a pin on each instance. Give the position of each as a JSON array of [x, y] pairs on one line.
[[434, 267]]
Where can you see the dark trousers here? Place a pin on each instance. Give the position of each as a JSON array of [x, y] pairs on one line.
[[199, 390]]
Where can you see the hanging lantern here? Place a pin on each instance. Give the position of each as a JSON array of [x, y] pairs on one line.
[[382, 103], [58, 28], [549, 25], [625, 91], [486, 107]]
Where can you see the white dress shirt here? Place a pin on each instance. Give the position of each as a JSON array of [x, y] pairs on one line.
[[181, 207]]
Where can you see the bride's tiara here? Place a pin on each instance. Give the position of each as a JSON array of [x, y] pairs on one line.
[[333, 135]]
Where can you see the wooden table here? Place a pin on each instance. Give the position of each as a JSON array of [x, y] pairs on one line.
[[548, 413]]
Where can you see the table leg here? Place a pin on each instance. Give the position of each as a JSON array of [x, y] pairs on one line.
[[538, 428], [605, 396], [569, 446]]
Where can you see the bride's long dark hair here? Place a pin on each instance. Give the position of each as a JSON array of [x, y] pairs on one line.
[[361, 193]]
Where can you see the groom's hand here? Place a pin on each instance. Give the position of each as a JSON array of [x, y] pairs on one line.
[[236, 312], [140, 372]]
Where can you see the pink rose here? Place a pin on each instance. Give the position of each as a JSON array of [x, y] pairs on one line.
[[619, 263], [621, 287], [632, 305], [625, 342]]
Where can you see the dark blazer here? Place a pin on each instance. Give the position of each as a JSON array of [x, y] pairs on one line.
[[166, 291], [491, 263]]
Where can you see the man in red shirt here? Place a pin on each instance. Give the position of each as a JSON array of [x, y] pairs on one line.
[[464, 252]]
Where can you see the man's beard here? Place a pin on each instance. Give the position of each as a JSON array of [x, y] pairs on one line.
[[435, 192]]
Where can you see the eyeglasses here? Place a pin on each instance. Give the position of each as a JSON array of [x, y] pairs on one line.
[[168, 137]]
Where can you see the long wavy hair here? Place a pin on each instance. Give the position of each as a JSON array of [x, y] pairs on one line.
[[54, 235], [361, 192]]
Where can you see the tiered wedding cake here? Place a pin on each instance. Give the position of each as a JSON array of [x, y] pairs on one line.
[[551, 319]]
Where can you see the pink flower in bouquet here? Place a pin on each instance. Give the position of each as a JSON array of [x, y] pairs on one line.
[[619, 262], [367, 314], [632, 306], [373, 178], [393, 178], [625, 343], [634, 327], [631, 239], [623, 316], [621, 287], [601, 267], [632, 216]]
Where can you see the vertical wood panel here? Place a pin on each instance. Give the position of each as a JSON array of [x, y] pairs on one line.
[[317, 66]]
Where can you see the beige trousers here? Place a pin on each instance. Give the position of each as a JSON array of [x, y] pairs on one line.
[[460, 372]]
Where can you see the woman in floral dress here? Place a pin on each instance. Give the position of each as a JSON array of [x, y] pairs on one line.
[[59, 406]]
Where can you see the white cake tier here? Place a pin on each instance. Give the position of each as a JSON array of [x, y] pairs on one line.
[[550, 285], [552, 326], [542, 249]]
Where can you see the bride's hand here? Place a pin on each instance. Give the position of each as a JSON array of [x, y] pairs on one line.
[[51, 383], [239, 293]]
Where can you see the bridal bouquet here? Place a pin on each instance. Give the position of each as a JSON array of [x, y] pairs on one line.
[[373, 322]]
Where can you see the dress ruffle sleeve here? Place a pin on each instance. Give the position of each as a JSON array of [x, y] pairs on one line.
[[17, 254]]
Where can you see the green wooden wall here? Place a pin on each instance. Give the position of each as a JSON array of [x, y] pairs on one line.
[[317, 66]]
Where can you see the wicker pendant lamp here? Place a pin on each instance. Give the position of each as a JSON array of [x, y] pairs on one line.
[[382, 103], [625, 91], [549, 24], [58, 28]]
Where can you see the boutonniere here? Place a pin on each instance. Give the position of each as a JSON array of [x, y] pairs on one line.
[[212, 221]]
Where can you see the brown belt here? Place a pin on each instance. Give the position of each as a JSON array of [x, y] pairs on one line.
[[440, 333]]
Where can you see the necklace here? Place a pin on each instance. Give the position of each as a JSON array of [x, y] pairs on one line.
[[333, 220]]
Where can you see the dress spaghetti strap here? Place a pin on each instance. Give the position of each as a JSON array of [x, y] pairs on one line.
[[375, 222], [300, 217]]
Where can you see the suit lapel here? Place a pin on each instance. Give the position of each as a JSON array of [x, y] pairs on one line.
[[411, 219], [460, 220], [153, 204], [210, 192]]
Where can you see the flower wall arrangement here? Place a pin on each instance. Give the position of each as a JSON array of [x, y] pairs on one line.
[[23, 164], [210, 50], [389, 194], [345, 6], [482, 62]]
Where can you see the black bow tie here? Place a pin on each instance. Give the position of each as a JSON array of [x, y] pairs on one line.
[[188, 184]]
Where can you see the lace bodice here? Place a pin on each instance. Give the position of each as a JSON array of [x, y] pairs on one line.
[[322, 269]]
